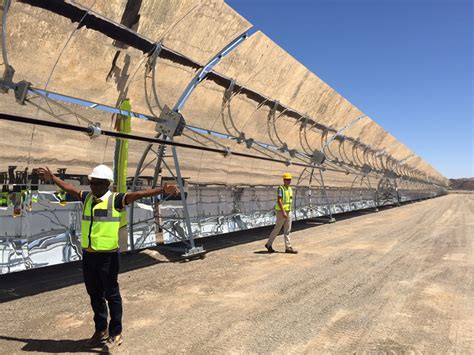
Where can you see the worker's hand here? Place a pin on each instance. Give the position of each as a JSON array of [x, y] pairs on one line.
[[170, 189], [45, 174], [285, 215]]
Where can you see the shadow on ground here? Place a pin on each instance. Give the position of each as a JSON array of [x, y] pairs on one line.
[[31, 282], [52, 346]]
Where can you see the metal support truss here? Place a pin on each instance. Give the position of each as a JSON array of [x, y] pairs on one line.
[[117, 32], [169, 131], [339, 132], [170, 123], [319, 182], [331, 218], [364, 182], [387, 191]]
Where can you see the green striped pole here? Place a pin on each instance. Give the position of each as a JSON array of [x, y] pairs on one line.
[[124, 125]]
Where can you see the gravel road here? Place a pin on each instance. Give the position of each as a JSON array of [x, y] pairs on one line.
[[395, 281]]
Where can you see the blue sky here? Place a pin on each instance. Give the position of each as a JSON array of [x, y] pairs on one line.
[[408, 64]]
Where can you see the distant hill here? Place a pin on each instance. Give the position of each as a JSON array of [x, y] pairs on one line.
[[462, 184]]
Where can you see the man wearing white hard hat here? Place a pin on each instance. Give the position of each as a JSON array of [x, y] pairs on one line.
[[283, 209], [100, 247]]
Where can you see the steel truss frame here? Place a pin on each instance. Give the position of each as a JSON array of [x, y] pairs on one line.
[[373, 162], [188, 236], [320, 182], [98, 22]]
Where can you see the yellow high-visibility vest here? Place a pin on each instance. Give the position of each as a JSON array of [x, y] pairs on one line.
[[100, 224], [4, 199], [287, 198]]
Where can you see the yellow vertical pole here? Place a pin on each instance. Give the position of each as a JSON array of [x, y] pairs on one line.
[[124, 125]]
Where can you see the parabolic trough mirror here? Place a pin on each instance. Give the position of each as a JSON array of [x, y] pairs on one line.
[[175, 91]]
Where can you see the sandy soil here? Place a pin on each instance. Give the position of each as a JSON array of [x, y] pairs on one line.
[[390, 282]]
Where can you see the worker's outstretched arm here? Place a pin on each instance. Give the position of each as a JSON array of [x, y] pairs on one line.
[[131, 197], [47, 175]]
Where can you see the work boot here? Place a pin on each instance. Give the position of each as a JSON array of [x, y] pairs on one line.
[[112, 343], [97, 339], [290, 250], [269, 248]]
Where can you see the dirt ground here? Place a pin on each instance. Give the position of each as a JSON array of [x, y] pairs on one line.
[[395, 281]]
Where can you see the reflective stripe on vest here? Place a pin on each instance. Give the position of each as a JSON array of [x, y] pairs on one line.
[[287, 198], [100, 224]]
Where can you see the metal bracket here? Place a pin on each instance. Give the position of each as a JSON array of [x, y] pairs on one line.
[[7, 82], [194, 251], [390, 175], [274, 109], [228, 92], [94, 131], [366, 169], [283, 148], [318, 157], [170, 123], [249, 142], [151, 62], [241, 138], [304, 123], [21, 91]]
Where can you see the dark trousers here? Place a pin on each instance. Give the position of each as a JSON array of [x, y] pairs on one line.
[[100, 276]]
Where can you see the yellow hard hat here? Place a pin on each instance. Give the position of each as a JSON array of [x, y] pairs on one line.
[[286, 176]]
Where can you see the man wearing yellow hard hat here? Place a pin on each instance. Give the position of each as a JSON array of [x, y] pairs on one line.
[[283, 209]]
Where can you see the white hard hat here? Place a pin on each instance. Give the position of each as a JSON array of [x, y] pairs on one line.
[[102, 172]]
